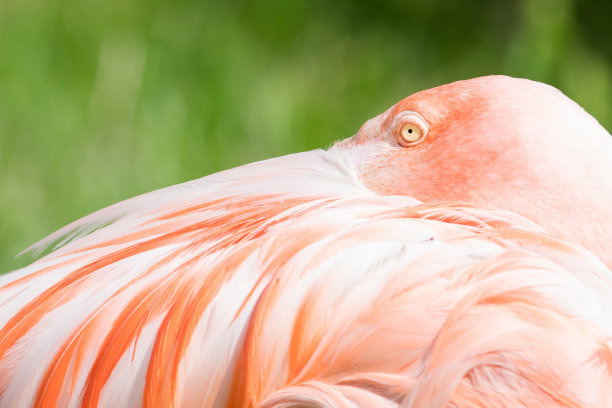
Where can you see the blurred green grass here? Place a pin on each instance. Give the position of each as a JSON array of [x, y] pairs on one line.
[[100, 101]]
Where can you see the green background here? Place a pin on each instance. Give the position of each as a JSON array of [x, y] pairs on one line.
[[103, 100]]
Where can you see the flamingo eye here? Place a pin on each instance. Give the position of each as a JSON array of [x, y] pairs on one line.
[[411, 129], [410, 133]]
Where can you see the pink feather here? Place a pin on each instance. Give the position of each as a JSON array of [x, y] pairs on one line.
[[448, 273]]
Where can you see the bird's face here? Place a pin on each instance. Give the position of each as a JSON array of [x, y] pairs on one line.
[[493, 141]]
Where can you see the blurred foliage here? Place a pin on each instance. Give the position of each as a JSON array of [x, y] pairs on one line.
[[103, 100]]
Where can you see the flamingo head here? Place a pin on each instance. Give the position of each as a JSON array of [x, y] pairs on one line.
[[500, 142]]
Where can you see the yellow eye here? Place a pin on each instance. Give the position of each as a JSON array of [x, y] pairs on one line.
[[410, 134]]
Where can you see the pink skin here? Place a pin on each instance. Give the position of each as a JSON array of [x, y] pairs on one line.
[[499, 142]]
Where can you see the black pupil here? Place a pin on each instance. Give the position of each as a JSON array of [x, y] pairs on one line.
[[409, 130]]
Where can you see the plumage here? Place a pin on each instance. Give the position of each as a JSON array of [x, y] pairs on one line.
[[370, 274]]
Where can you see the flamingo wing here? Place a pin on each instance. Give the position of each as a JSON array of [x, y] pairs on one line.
[[288, 283]]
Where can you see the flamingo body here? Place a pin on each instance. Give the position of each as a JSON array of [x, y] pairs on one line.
[[317, 280]]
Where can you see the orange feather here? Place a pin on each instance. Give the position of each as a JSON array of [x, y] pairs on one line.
[[460, 270]]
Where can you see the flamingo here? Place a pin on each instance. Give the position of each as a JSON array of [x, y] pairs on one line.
[[454, 252]]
